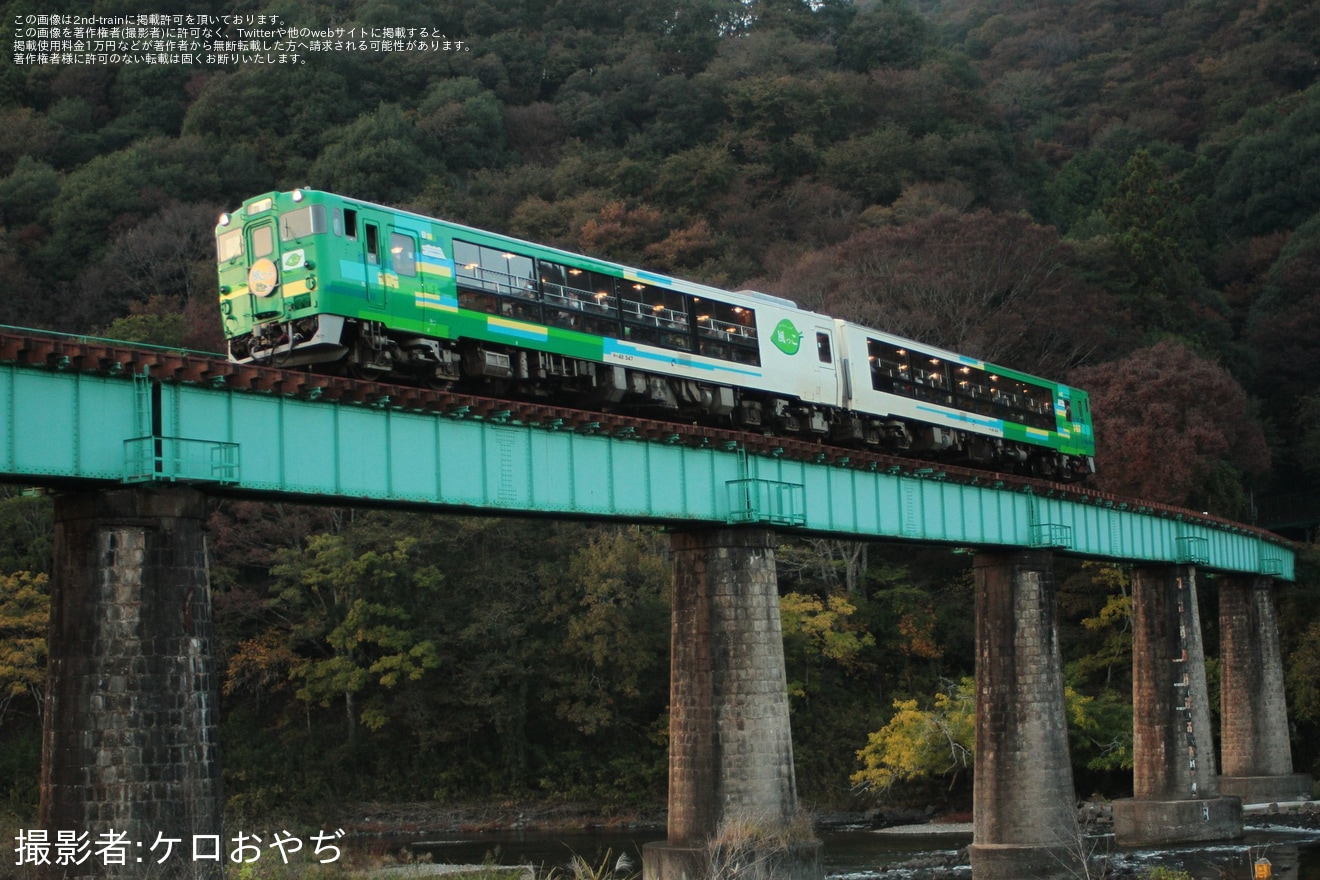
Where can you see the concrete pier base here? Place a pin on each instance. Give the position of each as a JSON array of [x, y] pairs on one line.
[[1175, 786], [800, 862], [1256, 752], [731, 774], [130, 727], [1036, 862], [1024, 818], [1268, 789], [1155, 822]]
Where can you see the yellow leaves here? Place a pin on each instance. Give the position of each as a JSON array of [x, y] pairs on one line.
[[825, 626], [918, 743], [24, 617]]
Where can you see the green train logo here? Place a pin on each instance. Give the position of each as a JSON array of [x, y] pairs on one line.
[[786, 337]]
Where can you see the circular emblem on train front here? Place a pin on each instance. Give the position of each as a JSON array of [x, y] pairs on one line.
[[263, 277]]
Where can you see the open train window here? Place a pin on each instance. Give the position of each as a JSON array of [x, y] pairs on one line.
[[350, 223]]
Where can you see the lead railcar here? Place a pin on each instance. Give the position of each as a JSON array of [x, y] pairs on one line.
[[316, 280]]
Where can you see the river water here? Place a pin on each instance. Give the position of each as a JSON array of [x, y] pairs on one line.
[[887, 855]]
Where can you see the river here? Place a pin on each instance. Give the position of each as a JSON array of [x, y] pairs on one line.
[[910, 854]]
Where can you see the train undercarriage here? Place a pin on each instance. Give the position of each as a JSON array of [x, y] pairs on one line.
[[367, 349]]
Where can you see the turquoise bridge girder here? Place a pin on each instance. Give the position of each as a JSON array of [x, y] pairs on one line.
[[65, 425]]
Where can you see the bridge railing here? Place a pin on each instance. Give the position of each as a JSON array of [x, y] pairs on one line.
[[766, 501], [180, 459]]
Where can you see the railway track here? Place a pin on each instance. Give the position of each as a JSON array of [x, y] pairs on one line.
[[54, 351]]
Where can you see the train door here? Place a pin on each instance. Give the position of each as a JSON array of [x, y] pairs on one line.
[[826, 372], [263, 271], [375, 268]]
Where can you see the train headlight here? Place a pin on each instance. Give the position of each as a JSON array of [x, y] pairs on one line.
[[224, 219], [263, 277], [297, 195]]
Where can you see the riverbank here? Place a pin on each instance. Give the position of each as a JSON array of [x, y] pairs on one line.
[[393, 819], [479, 817], [482, 817]]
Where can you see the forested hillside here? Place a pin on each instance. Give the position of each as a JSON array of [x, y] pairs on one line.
[[1123, 193]]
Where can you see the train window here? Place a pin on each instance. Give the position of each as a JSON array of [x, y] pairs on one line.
[[717, 320], [578, 290], [930, 379], [263, 241], [478, 302], [726, 332], [889, 367], [302, 222], [403, 254], [229, 246], [373, 245], [496, 270], [350, 223], [929, 371], [648, 306], [582, 322], [973, 390], [823, 350]]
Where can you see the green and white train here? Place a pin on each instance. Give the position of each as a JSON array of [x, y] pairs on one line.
[[316, 280]]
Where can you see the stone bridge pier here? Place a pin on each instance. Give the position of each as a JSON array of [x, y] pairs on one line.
[[1175, 788], [130, 730], [1024, 815], [1253, 711], [732, 791]]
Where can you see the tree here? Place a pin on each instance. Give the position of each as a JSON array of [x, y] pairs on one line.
[[1270, 180], [1284, 327], [922, 743], [611, 602], [993, 286], [462, 124], [162, 272], [24, 619], [1307, 451], [1166, 420], [1098, 669], [1079, 189], [379, 157], [1155, 239], [888, 33], [352, 624], [26, 530], [819, 630], [27, 193]]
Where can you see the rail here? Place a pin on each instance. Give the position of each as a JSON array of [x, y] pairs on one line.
[[54, 351]]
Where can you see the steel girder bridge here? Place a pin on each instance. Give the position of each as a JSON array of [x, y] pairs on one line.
[[78, 412]]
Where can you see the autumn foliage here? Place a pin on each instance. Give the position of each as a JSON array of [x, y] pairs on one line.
[[996, 286], [1121, 193], [1168, 418]]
